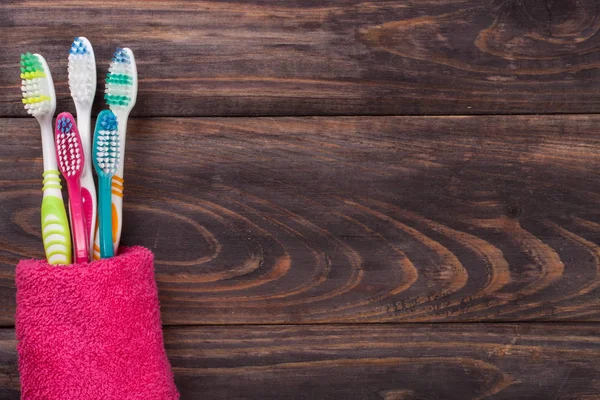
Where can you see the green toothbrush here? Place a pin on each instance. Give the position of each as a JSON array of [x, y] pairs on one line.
[[40, 101]]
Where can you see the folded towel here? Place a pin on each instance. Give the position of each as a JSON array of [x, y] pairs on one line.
[[92, 330]]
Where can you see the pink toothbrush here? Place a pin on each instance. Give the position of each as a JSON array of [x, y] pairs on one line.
[[69, 153]]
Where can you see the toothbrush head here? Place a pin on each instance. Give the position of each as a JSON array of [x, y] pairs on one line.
[[69, 150], [82, 72], [121, 81], [37, 86], [106, 149]]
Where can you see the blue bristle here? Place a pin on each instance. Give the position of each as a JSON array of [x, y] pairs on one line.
[[78, 47], [121, 56], [65, 125], [109, 122]]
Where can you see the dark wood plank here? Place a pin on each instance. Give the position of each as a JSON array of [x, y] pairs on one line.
[[448, 362], [342, 57], [9, 370], [308, 220], [379, 362]]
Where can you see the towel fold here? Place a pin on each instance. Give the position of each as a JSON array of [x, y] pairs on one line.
[[92, 330]]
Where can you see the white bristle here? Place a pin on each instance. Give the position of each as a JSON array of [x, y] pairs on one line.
[[82, 71], [120, 68], [120, 90], [107, 154], [82, 85], [68, 148]]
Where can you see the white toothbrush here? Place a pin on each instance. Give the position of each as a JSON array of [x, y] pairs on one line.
[[40, 101], [82, 82], [120, 95]]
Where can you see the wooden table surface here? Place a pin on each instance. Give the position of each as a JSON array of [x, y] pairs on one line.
[[347, 200]]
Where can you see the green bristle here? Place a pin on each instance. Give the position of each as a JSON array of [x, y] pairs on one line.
[[116, 100], [31, 66], [30, 63], [119, 79]]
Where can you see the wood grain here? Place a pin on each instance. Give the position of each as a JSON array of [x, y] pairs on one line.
[[9, 371], [379, 362], [320, 220], [341, 57]]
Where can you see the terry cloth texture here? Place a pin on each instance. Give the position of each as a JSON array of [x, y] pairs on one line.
[[92, 330]]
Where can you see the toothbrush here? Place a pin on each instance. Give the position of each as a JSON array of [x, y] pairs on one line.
[[120, 94], [106, 154], [82, 82], [40, 101], [70, 155]]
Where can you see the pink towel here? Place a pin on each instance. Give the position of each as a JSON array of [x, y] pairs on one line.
[[92, 331]]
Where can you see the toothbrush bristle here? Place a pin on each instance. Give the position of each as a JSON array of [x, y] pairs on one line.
[[120, 81], [78, 47], [106, 143], [69, 150], [36, 98], [82, 72]]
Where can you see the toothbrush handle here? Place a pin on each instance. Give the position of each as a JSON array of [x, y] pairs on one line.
[[55, 225], [105, 218], [88, 187], [117, 187], [88, 197], [117, 181], [116, 214], [78, 224]]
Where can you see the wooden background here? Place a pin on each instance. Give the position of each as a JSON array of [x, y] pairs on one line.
[[347, 200]]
